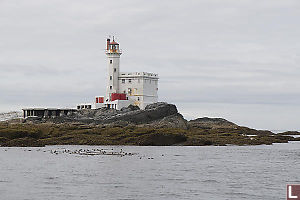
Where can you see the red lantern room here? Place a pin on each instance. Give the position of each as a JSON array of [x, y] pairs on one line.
[[112, 47]]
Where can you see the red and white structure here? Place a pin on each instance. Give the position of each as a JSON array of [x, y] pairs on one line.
[[123, 89], [126, 88], [99, 102]]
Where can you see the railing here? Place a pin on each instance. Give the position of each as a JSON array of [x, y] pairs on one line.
[[138, 74], [113, 51]]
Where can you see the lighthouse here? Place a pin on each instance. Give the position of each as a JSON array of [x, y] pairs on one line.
[[113, 54], [122, 89], [126, 88]]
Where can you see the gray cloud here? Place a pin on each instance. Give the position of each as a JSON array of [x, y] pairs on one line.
[[214, 57]]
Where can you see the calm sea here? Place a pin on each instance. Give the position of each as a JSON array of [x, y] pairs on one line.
[[176, 172]]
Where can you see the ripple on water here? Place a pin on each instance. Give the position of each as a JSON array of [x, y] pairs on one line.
[[222, 173]]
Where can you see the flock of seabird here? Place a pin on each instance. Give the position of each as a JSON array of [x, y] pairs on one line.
[[90, 152], [93, 152]]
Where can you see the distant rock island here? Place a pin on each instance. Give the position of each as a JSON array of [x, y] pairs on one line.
[[158, 124]]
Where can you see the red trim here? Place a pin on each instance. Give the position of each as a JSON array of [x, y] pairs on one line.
[[118, 96]]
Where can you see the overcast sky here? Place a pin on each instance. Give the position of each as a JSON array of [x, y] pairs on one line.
[[236, 59]]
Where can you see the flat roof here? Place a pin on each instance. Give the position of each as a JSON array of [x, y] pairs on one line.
[[49, 109], [140, 74]]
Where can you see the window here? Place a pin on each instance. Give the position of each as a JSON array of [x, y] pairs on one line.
[[110, 77], [110, 61], [110, 87], [115, 69], [129, 80], [139, 80], [123, 80], [150, 81]]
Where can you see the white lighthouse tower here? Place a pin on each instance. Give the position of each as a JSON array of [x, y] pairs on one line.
[[113, 53], [126, 88]]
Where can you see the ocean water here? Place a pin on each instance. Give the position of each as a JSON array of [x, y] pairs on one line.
[[174, 172]]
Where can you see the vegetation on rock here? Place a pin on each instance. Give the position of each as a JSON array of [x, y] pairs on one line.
[[20, 134], [158, 124]]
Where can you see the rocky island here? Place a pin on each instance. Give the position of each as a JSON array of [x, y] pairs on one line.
[[158, 124]]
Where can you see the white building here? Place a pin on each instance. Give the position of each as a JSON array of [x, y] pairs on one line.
[[125, 88]]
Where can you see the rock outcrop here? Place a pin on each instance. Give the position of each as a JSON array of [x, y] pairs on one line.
[[290, 133], [155, 115], [157, 124], [211, 123]]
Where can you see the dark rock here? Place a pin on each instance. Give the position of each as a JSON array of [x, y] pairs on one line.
[[290, 133], [162, 139], [211, 123], [171, 121], [130, 115], [151, 113], [130, 108]]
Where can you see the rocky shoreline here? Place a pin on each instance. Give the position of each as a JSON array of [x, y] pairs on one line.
[[159, 124]]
